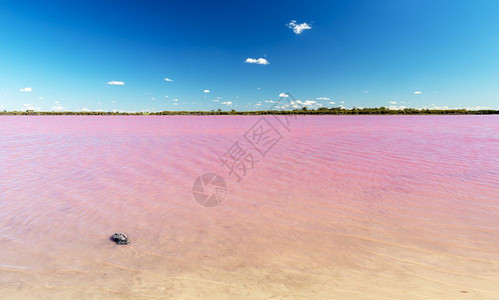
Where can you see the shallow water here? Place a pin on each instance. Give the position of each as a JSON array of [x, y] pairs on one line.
[[341, 207]]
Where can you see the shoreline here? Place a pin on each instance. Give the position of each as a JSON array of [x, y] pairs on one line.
[[321, 111]]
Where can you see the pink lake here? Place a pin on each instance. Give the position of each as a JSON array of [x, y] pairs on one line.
[[340, 207]]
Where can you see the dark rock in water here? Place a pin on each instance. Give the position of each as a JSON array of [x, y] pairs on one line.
[[120, 239]]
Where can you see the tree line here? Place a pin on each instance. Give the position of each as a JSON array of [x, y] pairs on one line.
[[302, 111]]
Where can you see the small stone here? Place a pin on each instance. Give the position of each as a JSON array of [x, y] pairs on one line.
[[120, 239]]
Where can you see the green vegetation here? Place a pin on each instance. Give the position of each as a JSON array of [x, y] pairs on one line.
[[304, 111]]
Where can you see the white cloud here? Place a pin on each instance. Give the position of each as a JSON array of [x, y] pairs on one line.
[[311, 103], [298, 104], [298, 28], [283, 95], [228, 103], [332, 103], [418, 92], [394, 107], [30, 107], [114, 82], [26, 89], [168, 79], [258, 104], [206, 91], [393, 102], [323, 98], [166, 96], [259, 61], [113, 101], [478, 107], [85, 109], [270, 101], [216, 100], [342, 102], [175, 103], [175, 100], [57, 107]]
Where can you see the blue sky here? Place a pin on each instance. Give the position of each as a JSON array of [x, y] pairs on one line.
[[62, 55]]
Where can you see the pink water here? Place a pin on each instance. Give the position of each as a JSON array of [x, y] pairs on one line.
[[342, 207]]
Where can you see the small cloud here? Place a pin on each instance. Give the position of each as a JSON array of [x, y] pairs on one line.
[[365, 92], [85, 109], [116, 82], [418, 92], [57, 107], [298, 104], [394, 107], [342, 102], [168, 79], [298, 28], [41, 98], [477, 107], [153, 99], [175, 103], [258, 88], [228, 103], [216, 100], [332, 103], [113, 101], [283, 95], [393, 102], [323, 98], [166, 96], [175, 100], [26, 89], [258, 104], [206, 91], [30, 107], [270, 101], [311, 103], [258, 61]]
